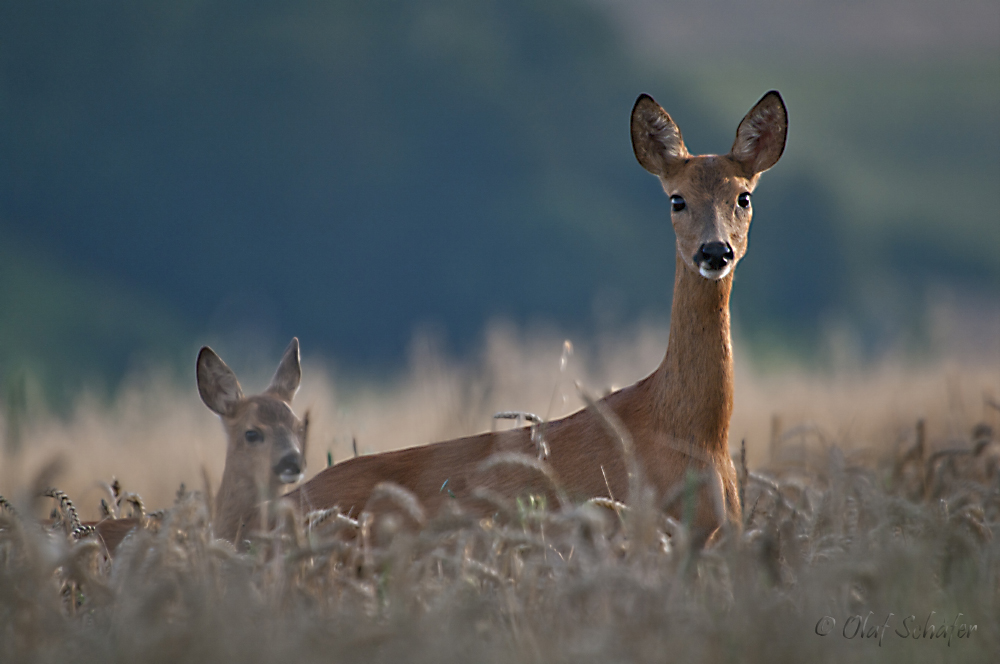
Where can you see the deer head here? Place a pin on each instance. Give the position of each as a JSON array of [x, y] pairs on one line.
[[266, 448], [710, 194]]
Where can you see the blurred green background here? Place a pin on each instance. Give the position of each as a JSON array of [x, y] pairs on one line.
[[233, 172]]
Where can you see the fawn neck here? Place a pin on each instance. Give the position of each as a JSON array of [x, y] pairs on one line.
[[239, 491], [695, 380]]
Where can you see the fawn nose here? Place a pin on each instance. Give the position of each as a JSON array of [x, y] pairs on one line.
[[714, 256], [289, 468]]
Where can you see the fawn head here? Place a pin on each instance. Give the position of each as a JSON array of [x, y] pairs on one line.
[[710, 194], [266, 439]]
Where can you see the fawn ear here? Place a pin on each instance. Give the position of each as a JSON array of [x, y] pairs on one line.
[[760, 138], [656, 139], [217, 383], [305, 439], [286, 379]]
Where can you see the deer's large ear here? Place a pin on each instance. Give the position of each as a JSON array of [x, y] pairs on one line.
[[656, 139], [286, 379], [217, 383], [760, 138], [305, 439]]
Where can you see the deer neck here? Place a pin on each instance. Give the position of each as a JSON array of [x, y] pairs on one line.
[[695, 379], [238, 494]]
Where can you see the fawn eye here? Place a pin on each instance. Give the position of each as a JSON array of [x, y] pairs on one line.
[[253, 436], [677, 203], [743, 200]]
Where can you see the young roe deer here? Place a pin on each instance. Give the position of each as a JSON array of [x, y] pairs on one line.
[[266, 442], [678, 416]]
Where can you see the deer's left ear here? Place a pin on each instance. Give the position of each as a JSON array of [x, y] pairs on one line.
[[760, 138], [286, 379], [217, 383]]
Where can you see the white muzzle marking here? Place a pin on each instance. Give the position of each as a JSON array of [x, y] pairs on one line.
[[715, 275], [291, 478]]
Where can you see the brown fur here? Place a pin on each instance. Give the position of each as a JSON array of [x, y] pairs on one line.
[[678, 416], [112, 531]]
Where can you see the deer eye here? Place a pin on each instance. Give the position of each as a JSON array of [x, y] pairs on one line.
[[677, 203], [743, 200], [253, 436]]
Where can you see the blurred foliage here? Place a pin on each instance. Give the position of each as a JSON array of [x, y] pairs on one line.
[[15, 404], [60, 332], [349, 172]]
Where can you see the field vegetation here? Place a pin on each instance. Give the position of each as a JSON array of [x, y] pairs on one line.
[[868, 492]]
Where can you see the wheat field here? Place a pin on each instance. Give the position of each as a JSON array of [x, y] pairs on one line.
[[871, 493]]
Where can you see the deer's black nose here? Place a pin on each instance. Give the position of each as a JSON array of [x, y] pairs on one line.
[[290, 466], [714, 255]]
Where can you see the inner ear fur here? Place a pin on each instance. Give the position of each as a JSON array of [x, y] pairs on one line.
[[287, 377], [760, 138], [217, 384], [656, 138]]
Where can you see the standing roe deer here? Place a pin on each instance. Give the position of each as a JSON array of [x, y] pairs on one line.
[[678, 416]]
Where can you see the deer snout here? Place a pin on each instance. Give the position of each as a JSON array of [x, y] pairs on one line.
[[714, 259], [289, 468]]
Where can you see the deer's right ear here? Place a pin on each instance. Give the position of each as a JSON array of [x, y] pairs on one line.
[[656, 139], [286, 379], [217, 383]]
